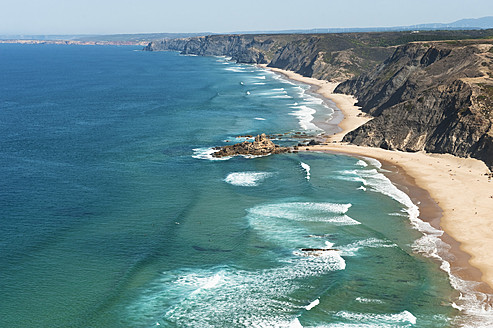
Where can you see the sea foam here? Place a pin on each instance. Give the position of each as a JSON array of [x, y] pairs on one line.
[[244, 298], [383, 319], [353, 248], [476, 305], [246, 179], [304, 114], [312, 304], [306, 167], [206, 153]]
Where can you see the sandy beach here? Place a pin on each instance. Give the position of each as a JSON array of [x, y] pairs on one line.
[[459, 187], [353, 117]]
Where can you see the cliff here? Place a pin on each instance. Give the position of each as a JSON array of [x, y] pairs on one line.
[[335, 57], [425, 94], [331, 57], [435, 96]]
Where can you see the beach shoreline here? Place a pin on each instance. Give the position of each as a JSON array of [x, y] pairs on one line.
[[458, 189], [352, 116], [446, 179]]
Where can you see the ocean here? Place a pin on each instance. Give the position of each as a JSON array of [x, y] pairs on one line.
[[115, 214]]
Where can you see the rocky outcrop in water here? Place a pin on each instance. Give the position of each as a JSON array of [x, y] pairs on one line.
[[436, 97], [259, 147]]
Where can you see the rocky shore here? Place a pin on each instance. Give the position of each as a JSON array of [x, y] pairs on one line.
[[261, 146], [429, 91]]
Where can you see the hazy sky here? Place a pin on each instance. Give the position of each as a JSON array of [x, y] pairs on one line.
[[139, 16]]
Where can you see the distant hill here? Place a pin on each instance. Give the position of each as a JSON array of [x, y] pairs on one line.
[[463, 24], [484, 22]]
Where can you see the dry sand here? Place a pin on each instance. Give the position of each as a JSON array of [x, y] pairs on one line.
[[458, 185]]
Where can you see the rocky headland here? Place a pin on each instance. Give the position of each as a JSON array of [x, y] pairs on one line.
[[261, 146], [433, 96], [423, 92]]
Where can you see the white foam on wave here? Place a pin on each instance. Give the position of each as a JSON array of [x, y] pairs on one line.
[[365, 318], [299, 90], [261, 77], [222, 57], [376, 181], [273, 92], [304, 114], [368, 300], [291, 224], [209, 283], [295, 324], [206, 153], [373, 162], [300, 210], [306, 167], [246, 179], [282, 97], [353, 248], [236, 69], [312, 304], [475, 304], [259, 83], [243, 298], [352, 175], [361, 163], [311, 100], [343, 220], [380, 183], [208, 297], [397, 214], [259, 118]]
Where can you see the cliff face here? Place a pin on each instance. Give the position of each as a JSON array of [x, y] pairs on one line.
[[250, 49], [432, 96], [435, 97], [331, 57], [335, 57]]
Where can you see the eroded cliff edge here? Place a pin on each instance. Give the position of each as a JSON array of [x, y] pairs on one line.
[[334, 57], [425, 94], [433, 96]]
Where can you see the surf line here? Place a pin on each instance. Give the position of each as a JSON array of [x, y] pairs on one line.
[[306, 167]]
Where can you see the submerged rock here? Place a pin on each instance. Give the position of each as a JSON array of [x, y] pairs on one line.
[[260, 146]]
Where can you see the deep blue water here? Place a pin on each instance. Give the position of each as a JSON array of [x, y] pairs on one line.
[[113, 214]]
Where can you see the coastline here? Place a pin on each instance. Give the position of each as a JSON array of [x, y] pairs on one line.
[[352, 116], [465, 221], [447, 179]]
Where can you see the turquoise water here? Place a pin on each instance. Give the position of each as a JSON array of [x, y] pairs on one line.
[[114, 215]]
